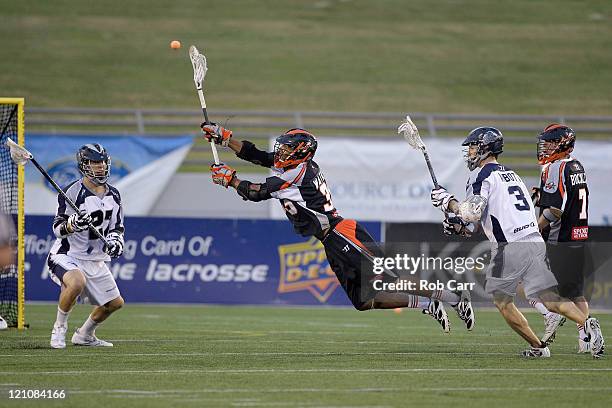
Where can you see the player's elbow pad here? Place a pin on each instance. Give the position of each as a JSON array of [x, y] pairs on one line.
[[247, 193], [471, 209]]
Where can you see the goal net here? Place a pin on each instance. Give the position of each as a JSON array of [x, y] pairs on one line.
[[12, 282]]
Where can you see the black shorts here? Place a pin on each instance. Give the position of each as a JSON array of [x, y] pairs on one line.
[[350, 249], [569, 265]]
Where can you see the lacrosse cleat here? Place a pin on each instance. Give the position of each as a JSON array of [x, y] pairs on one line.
[[552, 322], [58, 337], [584, 346], [536, 352], [596, 340], [465, 311], [437, 312], [79, 339]]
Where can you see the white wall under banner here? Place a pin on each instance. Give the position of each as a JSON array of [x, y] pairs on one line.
[[389, 181]]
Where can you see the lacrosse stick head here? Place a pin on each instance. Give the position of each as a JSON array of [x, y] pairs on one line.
[[19, 154], [199, 66], [411, 134]]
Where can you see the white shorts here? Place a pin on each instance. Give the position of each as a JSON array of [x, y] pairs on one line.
[[516, 262], [100, 285]]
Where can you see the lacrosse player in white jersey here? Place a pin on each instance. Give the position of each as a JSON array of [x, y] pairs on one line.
[[77, 261], [499, 202]]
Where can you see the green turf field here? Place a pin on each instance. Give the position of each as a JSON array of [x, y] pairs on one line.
[[480, 56], [259, 356]]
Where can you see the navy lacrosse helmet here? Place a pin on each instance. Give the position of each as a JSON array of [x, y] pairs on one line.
[[295, 146], [554, 142], [90, 154], [489, 140]]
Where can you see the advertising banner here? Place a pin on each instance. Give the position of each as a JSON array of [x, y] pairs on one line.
[[140, 168], [204, 261]]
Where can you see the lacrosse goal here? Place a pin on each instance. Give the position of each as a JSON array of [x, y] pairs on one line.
[[12, 282]]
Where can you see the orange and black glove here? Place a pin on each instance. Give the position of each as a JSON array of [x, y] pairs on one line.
[[222, 174], [215, 133]]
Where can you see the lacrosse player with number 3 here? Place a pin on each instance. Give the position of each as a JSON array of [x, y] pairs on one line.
[[302, 190], [498, 201], [77, 260]]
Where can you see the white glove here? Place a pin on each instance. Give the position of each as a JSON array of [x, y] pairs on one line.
[[78, 222], [440, 198], [115, 244]]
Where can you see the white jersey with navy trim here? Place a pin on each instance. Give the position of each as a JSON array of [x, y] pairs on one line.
[[106, 213], [509, 215]]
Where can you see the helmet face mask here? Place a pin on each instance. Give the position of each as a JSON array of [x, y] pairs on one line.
[[294, 147], [481, 143], [554, 143], [94, 163], [471, 156]]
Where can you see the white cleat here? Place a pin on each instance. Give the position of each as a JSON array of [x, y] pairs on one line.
[[79, 339], [437, 312], [596, 340], [536, 352], [465, 311], [552, 321], [584, 346], [58, 337]]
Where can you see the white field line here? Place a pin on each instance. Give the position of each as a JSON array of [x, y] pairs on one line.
[[519, 371], [271, 354], [343, 342], [248, 335], [328, 390]]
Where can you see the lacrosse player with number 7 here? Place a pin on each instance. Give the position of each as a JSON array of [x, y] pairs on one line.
[[498, 201], [298, 183]]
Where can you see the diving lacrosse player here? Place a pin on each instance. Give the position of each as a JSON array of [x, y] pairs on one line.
[[564, 222], [77, 261], [498, 201], [302, 190]]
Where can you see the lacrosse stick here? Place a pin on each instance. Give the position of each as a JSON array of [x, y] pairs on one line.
[[411, 134], [199, 72], [21, 156]]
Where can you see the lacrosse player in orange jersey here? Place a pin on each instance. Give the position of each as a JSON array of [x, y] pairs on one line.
[[302, 190]]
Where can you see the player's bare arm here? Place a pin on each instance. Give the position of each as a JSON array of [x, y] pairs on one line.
[[548, 216]]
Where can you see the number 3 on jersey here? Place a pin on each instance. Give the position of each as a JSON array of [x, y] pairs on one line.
[[523, 204]]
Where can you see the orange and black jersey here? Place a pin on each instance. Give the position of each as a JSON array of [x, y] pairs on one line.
[[302, 191], [563, 185]]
